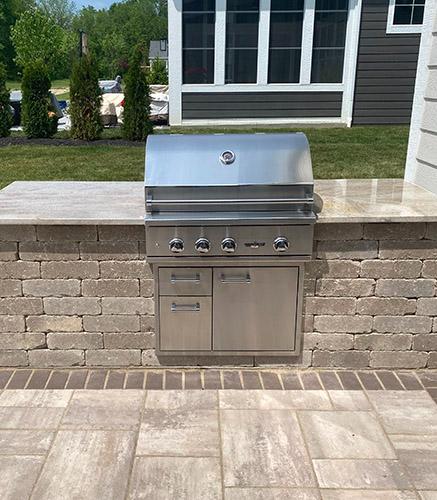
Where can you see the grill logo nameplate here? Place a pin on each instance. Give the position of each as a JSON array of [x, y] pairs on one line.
[[227, 157]]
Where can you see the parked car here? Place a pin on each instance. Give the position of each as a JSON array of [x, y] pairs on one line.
[[15, 100]]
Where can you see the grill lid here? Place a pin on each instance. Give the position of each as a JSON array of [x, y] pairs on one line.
[[228, 160], [214, 176]]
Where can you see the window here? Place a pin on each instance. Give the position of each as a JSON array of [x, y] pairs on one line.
[[242, 19], [329, 40], [405, 16], [286, 20], [198, 31]]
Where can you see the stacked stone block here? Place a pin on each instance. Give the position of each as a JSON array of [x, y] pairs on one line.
[[83, 296], [371, 296], [74, 296]]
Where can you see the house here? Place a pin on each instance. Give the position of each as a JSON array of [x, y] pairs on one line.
[[158, 49], [293, 61]]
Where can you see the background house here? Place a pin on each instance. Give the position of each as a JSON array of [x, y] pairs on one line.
[[158, 49], [293, 61]]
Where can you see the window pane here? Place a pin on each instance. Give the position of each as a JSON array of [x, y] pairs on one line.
[[286, 29], [198, 30], [330, 23], [199, 5], [198, 66], [198, 33], [418, 15], [330, 29], [402, 15], [242, 5], [242, 41], [242, 30], [284, 65], [332, 5], [241, 65], [327, 66], [287, 5], [404, 2]]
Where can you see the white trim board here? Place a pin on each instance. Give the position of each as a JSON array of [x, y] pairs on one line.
[[263, 121]]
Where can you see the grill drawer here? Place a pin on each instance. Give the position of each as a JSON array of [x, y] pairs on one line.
[[185, 323], [188, 281]]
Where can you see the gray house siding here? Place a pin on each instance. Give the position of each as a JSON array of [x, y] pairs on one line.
[[386, 69], [246, 105]]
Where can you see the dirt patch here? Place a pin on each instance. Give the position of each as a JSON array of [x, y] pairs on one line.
[[24, 141]]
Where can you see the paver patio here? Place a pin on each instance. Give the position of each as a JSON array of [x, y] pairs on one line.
[[214, 444]]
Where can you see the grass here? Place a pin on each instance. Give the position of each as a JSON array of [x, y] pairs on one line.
[[358, 152], [56, 84]]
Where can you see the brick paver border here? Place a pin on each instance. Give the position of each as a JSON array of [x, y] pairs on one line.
[[218, 379]]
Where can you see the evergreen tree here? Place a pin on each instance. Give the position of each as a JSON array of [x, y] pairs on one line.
[[35, 105], [136, 121], [158, 73], [86, 99], [5, 111]]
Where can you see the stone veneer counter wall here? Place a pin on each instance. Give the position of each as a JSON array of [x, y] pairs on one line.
[[75, 288]]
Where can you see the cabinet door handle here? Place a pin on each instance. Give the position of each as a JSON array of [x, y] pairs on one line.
[[235, 279], [185, 307], [185, 279]]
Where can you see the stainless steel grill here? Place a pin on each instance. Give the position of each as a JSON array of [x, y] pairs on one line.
[[229, 223]]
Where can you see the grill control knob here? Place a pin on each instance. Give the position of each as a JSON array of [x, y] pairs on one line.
[[229, 245], [202, 245], [176, 245], [281, 244]]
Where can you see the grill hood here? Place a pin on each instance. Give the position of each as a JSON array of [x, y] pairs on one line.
[[217, 174], [194, 160]]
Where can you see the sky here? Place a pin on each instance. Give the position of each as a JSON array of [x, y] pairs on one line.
[[98, 4]]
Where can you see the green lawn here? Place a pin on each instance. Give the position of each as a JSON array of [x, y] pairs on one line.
[[358, 152], [56, 84]]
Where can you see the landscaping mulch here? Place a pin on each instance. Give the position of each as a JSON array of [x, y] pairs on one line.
[[24, 141]]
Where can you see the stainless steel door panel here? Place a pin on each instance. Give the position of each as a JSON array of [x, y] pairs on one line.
[[185, 323], [185, 281], [254, 308]]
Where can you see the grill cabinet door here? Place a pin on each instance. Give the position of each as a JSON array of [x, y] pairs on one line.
[[254, 308], [185, 323]]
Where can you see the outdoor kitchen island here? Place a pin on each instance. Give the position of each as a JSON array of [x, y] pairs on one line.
[[76, 289]]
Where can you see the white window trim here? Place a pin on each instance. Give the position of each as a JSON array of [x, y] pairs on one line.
[[399, 29]]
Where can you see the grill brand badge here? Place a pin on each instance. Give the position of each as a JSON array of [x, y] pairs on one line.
[[227, 157]]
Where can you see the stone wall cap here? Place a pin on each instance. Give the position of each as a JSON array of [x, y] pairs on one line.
[[122, 203]]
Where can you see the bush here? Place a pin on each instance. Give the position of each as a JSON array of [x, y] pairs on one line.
[[136, 121], [85, 100], [158, 73], [5, 110], [35, 105]]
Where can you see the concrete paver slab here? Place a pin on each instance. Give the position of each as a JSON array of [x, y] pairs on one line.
[[87, 464], [412, 412], [18, 475], [116, 409], [16, 442], [179, 433], [182, 400], [36, 398], [368, 495], [271, 494], [361, 474], [349, 400], [182, 478], [274, 400], [344, 434], [264, 448], [30, 418]]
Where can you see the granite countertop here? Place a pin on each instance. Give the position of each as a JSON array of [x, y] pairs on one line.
[[122, 203]]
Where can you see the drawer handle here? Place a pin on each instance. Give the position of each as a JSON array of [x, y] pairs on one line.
[[185, 307], [185, 279], [235, 279]]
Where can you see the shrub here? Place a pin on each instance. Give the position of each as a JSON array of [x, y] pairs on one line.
[[86, 99], [136, 121], [5, 110], [158, 73], [35, 105]]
